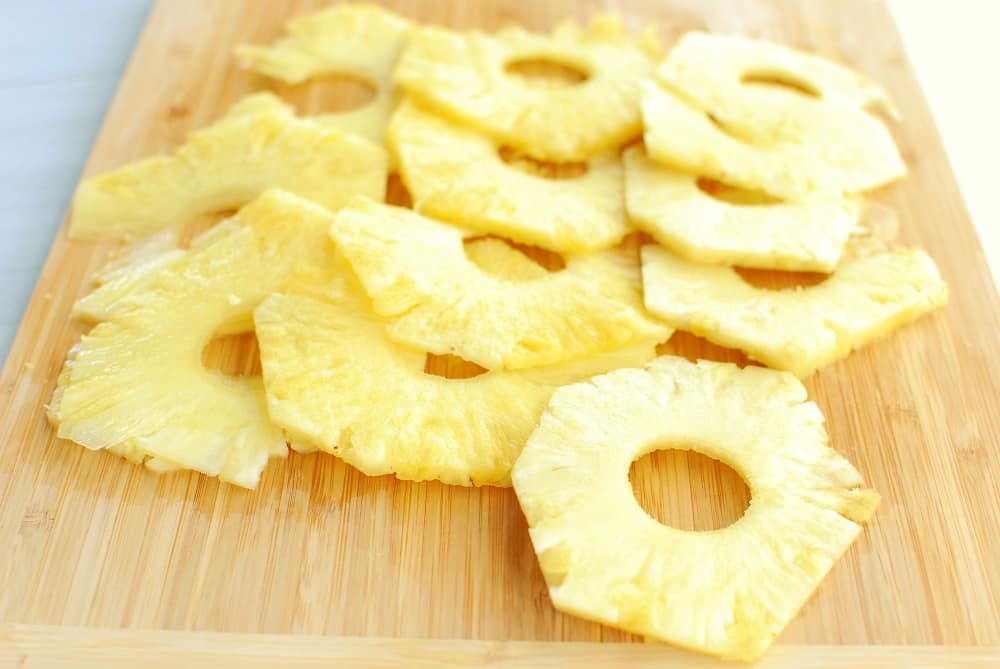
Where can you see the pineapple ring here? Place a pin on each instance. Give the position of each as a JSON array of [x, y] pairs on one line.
[[800, 330], [419, 278], [727, 592], [783, 143], [668, 204], [457, 175], [259, 144], [361, 41], [135, 384], [462, 75]]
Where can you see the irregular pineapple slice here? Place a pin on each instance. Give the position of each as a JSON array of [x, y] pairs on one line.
[[360, 41], [259, 144], [727, 592], [668, 204], [463, 76], [456, 174], [712, 119], [419, 278], [800, 330], [136, 384]]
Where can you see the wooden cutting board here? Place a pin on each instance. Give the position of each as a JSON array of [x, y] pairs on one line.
[[87, 540]]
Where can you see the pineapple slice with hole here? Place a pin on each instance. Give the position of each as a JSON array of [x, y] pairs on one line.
[[258, 145], [710, 115], [357, 40], [463, 76], [419, 278], [136, 385], [457, 175], [727, 592], [870, 294], [808, 235]]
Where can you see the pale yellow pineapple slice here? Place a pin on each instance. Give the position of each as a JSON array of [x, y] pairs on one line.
[[710, 115], [356, 40], [463, 76], [807, 235], [259, 144], [419, 278], [456, 174], [866, 297], [727, 592], [136, 384]]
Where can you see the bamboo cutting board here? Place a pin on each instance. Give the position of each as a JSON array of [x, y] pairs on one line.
[[87, 540]]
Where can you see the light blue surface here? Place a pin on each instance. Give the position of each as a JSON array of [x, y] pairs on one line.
[[61, 63]]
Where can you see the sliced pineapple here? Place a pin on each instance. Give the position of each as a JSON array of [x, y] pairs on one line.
[[355, 40], [808, 235], [727, 592], [710, 117], [136, 384], [800, 330], [463, 76], [456, 174], [419, 278], [259, 144]]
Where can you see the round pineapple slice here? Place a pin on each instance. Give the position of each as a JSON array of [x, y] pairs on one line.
[[713, 117], [258, 145], [360, 41], [463, 76], [727, 592], [866, 297], [136, 384], [456, 174], [435, 299], [804, 236]]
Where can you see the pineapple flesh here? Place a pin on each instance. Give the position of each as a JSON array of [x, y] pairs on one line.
[[808, 235], [259, 144], [436, 299], [136, 385], [356, 40], [727, 592], [706, 115], [456, 174], [868, 295], [463, 76]]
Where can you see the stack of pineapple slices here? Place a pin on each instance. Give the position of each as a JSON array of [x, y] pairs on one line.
[[347, 295]]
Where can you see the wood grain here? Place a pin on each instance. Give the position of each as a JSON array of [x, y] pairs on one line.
[[88, 540]]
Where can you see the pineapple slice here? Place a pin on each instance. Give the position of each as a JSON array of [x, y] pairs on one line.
[[136, 384], [805, 236], [463, 76], [710, 118], [800, 330], [456, 174], [435, 299], [360, 41], [259, 144], [727, 592]]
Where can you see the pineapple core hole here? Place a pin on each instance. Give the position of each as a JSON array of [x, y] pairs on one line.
[[688, 491], [541, 168], [782, 80], [233, 355], [733, 195], [330, 94], [396, 192], [451, 367], [542, 72], [550, 261], [774, 280]]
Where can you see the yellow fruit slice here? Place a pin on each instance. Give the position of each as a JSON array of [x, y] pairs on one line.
[[463, 75], [808, 235], [259, 144], [798, 330], [136, 384], [727, 592], [355, 40], [456, 174], [711, 115], [435, 299]]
